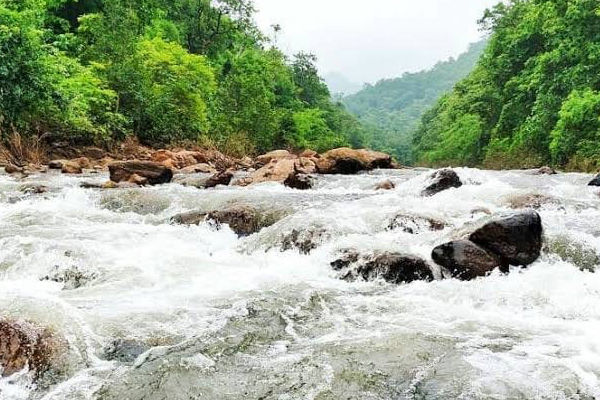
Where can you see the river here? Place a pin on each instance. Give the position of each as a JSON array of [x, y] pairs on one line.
[[222, 317]]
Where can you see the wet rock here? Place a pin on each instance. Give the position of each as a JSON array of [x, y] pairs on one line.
[[56, 164], [152, 172], [304, 241], [346, 259], [385, 185], [12, 169], [33, 189], [273, 155], [465, 260], [595, 181], [24, 344], [349, 161], [392, 267], [415, 224], [545, 171], [71, 277], [125, 350], [442, 180], [516, 239], [243, 220], [222, 178], [299, 181], [531, 200]]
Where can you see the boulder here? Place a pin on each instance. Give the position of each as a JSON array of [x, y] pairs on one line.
[[177, 160], [595, 181], [273, 155], [56, 164], [278, 170], [125, 350], [465, 260], [516, 239], [385, 185], [153, 173], [415, 224], [531, 200], [309, 154], [71, 277], [34, 189], [24, 344], [299, 181], [349, 161], [442, 180], [392, 267], [189, 218], [222, 178], [198, 168], [75, 166]]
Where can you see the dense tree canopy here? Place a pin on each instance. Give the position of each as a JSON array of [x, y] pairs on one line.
[[534, 97], [163, 70], [392, 108]]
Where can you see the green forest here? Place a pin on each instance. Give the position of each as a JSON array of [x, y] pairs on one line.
[[392, 108], [532, 99], [166, 71]]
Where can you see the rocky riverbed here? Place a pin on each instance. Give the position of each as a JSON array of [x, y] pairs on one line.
[[227, 284]]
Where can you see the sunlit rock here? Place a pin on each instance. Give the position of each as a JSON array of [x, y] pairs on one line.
[[152, 172]]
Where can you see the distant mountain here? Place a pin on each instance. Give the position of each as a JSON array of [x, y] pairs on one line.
[[392, 108], [340, 84]]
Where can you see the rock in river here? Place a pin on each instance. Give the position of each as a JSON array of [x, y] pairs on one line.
[[442, 180], [595, 181], [465, 260], [153, 173]]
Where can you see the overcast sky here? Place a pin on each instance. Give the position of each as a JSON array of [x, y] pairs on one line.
[[370, 40]]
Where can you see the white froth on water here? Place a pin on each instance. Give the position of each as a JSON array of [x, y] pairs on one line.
[[531, 334]]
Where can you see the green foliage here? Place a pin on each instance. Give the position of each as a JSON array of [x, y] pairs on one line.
[[534, 90], [163, 70], [392, 108]]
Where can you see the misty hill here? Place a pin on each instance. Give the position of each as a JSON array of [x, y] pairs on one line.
[[392, 108], [340, 84]]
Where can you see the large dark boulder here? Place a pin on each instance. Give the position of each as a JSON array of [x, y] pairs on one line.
[[516, 239], [149, 172], [465, 260], [595, 181], [442, 180], [392, 267], [24, 344]]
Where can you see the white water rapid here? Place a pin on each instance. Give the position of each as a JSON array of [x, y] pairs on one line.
[[222, 317]]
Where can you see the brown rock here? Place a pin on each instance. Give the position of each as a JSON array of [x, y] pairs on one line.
[[278, 170], [198, 168], [24, 344], [309, 154], [70, 167], [348, 161], [531, 200], [12, 169], [273, 155], [56, 164], [154, 173], [299, 181], [222, 178], [545, 171], [385, 185]]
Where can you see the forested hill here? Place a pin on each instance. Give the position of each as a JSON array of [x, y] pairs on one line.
[[164, 70], [392, 108], [534, 97]]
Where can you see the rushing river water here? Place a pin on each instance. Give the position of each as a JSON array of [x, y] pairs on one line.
[[222, 317]]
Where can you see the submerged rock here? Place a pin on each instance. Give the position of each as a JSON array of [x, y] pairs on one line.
[[132, 171], [391, 267], [571, 250], [304, 240], [24, 344], [125, 350], [71, 277], [532, 200], [516, 239], [465, 260], [221, 178], [243, 220], [442, 180], [385, 185], [75, 166], [415, 224], [12, 169], [545, 171]]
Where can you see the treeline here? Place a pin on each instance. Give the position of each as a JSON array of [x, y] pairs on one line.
[[392, 108], [533, 98], [167, 71]]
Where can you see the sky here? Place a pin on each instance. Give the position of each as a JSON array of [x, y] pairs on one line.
[[370, 40]]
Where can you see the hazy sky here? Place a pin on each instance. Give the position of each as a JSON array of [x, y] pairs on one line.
[[370, 40]]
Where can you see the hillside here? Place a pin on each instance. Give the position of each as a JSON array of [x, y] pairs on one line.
[[392, 108], [534, 97]]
